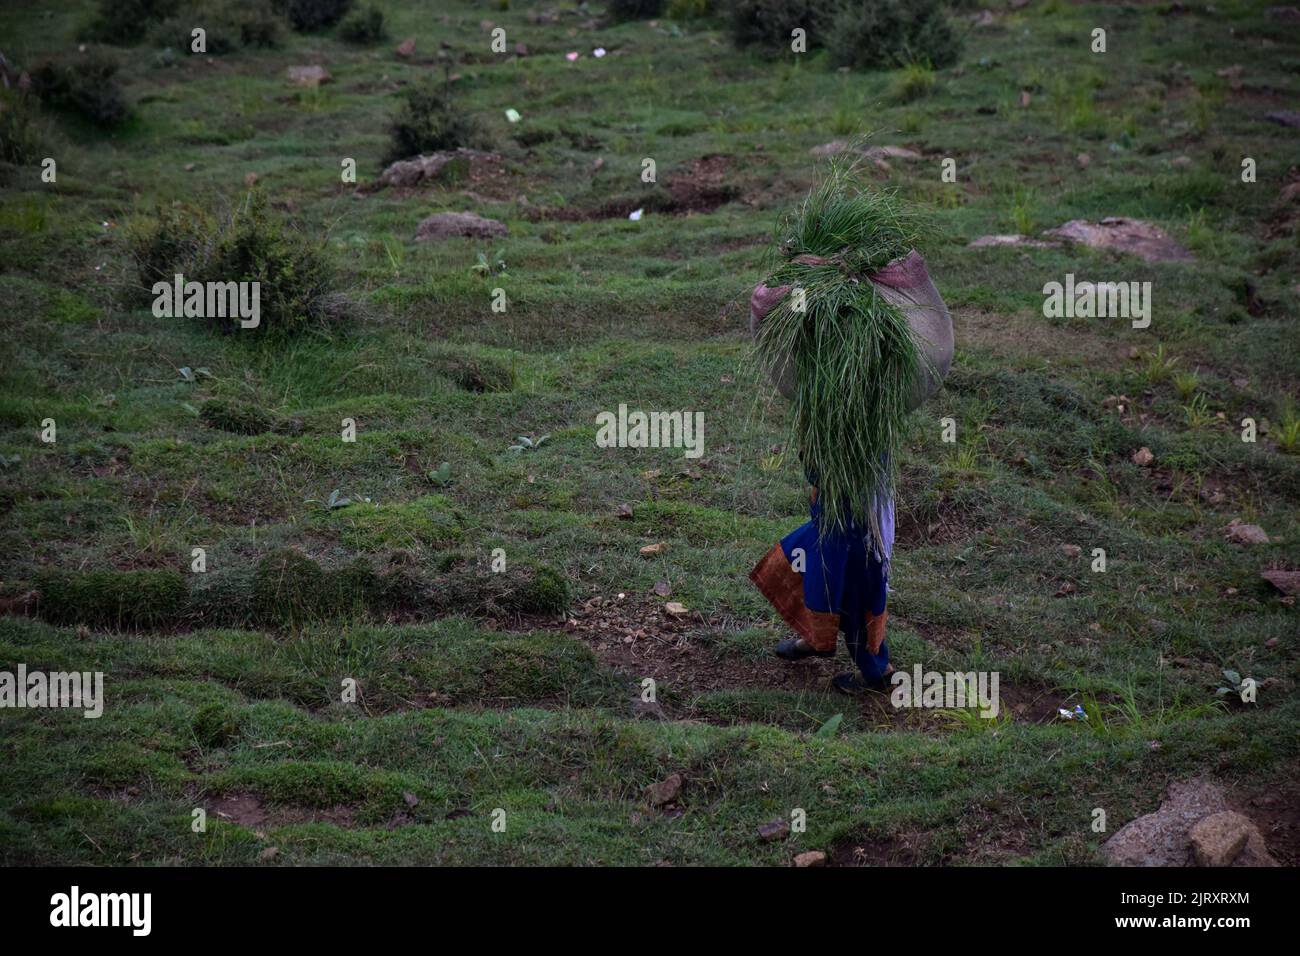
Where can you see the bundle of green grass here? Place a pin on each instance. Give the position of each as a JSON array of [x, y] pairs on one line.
[[853, 331]]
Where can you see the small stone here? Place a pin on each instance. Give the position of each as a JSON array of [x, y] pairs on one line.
[[270, 853], [1071, 550], [250, 180], [771, 832], [1288, 582], [1217, 839], [811, 858], [406, 49], [647, 709], [446, 225], [1084, 160], [1143, 457], [676, 609], [410, 799], [665, 791], [1239, 533], [650, 550], [308, 76]]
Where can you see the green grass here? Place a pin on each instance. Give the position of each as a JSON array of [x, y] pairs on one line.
[[474, 691]]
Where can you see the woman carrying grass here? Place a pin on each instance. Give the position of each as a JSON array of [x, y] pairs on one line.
[[855, 334]]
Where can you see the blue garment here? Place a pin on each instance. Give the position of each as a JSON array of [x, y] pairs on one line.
[[846, 572]]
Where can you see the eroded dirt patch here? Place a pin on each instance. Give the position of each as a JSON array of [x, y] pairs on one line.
[[248, 810]]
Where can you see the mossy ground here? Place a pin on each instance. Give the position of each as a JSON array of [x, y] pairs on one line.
[[508, 710]]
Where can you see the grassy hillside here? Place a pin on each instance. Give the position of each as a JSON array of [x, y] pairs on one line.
[[517, 691]]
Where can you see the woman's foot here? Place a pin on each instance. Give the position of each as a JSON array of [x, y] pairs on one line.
[[852, 683], [796, 649]]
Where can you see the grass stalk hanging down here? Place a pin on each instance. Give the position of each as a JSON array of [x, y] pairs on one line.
[[856, 359]]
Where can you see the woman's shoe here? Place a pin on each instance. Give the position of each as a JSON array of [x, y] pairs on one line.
[[852, 683], [793, 649]]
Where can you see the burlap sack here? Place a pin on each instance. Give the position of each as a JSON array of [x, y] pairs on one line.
[[906, 283]]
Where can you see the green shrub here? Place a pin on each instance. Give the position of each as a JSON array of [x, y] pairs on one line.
[[85, 84], [863, 34], [306, 16], [289, 589], [364, 26], [297, 278], [124, 22], [476, 374], [214, 725], [635, 9], [689, 9], [871, 34], [428, 121], [250, 244], [172, 240], [770, 22], [21, 133], [230, 25], [112, 599], [240, 418], [467, 587]]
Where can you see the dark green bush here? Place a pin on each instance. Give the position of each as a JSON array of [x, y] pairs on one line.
[[124, 22], [22, 138], [635, 9], [214, 725], [428, 121], [242, 418], [111, 599], [230, 25], [308, 15], [363, 26], [476, 374], [863, 34], [871, 34], [250, 244], [84, 83], [770, 22], [289, 589], [297, 278], [467, 587], [172, 240]]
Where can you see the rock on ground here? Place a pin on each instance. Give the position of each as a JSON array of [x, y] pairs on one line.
[[665, 791], [811, 858], [984, 242], [1142, 239], [447, 225], [1217, 839], [776, 830], [412, 172], [1239, 533], [1285, 118], [1164, 838], [308, 76], [837, 146], [1288, 582]]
